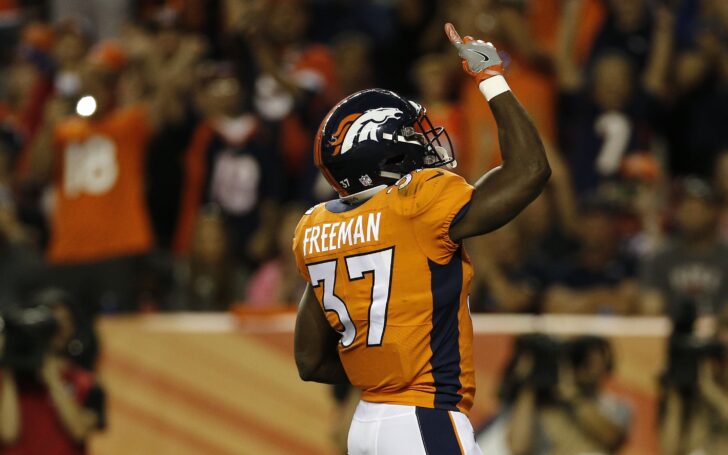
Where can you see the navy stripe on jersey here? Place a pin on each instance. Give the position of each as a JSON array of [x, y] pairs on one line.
[[447, 283], [461, 213], [438, 434]]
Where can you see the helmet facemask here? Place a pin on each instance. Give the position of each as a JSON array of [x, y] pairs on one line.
[[427, 146]]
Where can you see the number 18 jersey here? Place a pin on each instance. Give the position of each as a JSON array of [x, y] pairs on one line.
[[100, 207], [395, 286]]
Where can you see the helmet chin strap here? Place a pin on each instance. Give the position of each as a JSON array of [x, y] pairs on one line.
[[444, 155], [362, 195]]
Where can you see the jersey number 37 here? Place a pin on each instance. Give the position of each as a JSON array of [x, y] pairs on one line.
[[379, 264]]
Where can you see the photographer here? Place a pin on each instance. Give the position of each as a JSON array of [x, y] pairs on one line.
[[694, 406], [47, 404], [557, 402]]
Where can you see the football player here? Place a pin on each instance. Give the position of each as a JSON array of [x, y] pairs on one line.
[[386, 308]]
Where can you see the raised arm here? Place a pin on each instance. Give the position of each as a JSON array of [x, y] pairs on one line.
[[568, 74], [655, 75], [315, 344], [41, 148], [503, 192]]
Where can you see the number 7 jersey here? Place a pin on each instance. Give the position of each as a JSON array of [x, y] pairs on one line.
[[395, 286]]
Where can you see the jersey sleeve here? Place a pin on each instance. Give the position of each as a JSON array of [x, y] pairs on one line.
[[433, 199]]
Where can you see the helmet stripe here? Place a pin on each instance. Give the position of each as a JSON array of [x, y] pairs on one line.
[[341, 130], [317, 158]]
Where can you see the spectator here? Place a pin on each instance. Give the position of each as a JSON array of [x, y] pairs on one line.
[[55, 406], [166, 56], [295, 88], [232, 163], [694, 266], [99, 223], [562, 408], [613, 110], [208, 279], [599, 277], [59, 93], [43, 71]]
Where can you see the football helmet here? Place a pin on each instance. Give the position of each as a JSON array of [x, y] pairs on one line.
[[373, 138]]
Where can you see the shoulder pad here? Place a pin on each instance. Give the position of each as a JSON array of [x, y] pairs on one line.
[[417, 190]]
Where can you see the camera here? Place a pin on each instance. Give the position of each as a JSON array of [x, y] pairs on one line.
[[546, 354], [28, 333], [686, 352]]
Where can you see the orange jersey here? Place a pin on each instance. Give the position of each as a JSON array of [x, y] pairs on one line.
[[100, 209], [395, 286]]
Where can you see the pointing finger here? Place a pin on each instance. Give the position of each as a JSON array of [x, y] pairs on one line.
[[453, 35]]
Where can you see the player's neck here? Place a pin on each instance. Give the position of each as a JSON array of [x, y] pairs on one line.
[[362, 196]]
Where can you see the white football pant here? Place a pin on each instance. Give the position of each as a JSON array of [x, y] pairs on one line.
[[390, 429]]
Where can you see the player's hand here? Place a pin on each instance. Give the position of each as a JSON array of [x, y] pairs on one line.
[[480, 59]]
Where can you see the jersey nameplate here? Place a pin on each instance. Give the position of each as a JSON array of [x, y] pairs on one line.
[[326, 237]]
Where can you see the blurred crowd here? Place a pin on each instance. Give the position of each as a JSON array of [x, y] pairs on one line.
[[156, 155]]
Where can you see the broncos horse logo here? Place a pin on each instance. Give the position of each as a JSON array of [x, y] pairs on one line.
[[362, 125]]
